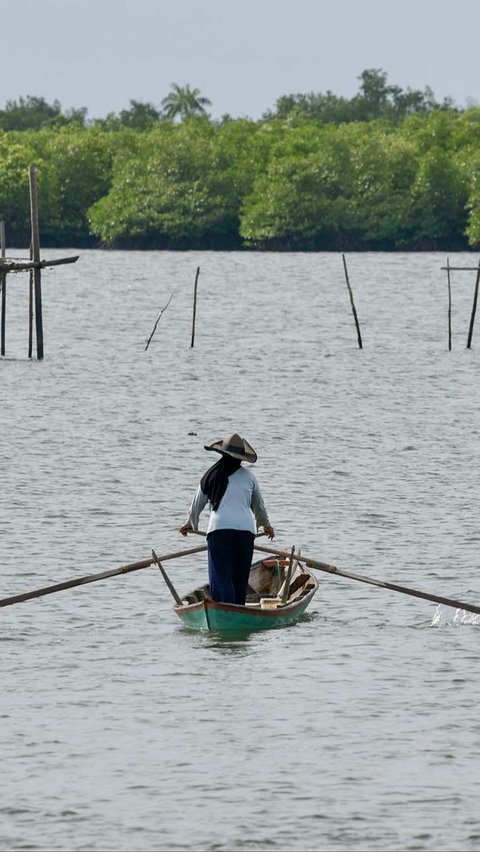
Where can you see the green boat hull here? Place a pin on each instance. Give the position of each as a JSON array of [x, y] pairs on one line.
[[217, 617]]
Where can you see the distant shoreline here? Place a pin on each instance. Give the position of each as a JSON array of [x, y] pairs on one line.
[[455, 245]]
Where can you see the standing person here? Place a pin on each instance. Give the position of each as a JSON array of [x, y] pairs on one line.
[[235, 504]]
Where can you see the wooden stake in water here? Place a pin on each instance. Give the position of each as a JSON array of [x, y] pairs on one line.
[[30, 312], [37, 275], [194, 306], [3, 287], [474, 309], [449, 307], [156, 323], [354, 310]]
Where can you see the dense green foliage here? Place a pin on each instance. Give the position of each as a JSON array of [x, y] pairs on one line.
[[387, 169]]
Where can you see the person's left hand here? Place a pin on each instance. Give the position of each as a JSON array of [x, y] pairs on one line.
[[185, 529], [269, 531]]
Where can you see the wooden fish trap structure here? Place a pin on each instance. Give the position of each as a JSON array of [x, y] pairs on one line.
[[33, 265]]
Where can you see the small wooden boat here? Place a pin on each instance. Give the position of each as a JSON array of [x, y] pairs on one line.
[[278, 593]]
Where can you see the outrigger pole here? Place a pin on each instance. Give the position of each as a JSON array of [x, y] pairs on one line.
[[92, 578]]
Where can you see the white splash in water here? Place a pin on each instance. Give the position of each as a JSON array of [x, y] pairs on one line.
[[443, 616]]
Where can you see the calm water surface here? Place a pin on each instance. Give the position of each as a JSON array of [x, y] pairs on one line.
[[356, 729]]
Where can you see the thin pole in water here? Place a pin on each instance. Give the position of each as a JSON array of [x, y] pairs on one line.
[[37, 275], [194, 306], [30, 308], [3, 286], [354, 310], [474, 309], [157, 321], [449, 307], [30, 313]]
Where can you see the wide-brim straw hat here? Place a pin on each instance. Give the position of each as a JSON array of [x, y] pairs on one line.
[[235, 446]]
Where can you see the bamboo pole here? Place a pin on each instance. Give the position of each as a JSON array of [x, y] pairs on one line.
[[30, 309], [30, 313], [194, 307], [3, 287], [37, 275], [92, 578], [461, 268], [449, 307], [474, 310], [354, 310], [23, 265]]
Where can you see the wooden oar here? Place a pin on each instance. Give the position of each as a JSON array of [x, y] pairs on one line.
[[92, 578], [332, 569]]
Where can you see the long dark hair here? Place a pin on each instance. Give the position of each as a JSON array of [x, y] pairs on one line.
[[214, 482]]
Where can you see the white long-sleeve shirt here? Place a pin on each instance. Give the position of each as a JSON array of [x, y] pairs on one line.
[[241, 505]]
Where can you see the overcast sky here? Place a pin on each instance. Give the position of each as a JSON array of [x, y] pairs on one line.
[[242, 55]]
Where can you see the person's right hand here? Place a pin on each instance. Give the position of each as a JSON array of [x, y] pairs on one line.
[[269, 531], [185, 529]]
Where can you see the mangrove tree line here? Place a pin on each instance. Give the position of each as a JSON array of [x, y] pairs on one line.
[[388, 169]]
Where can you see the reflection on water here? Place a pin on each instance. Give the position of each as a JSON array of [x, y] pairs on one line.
[[234, 641], [121, 729]]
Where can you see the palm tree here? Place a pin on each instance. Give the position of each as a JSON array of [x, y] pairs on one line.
[[184, 102]]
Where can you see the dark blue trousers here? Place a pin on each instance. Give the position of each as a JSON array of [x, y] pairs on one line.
[[229, 559]]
